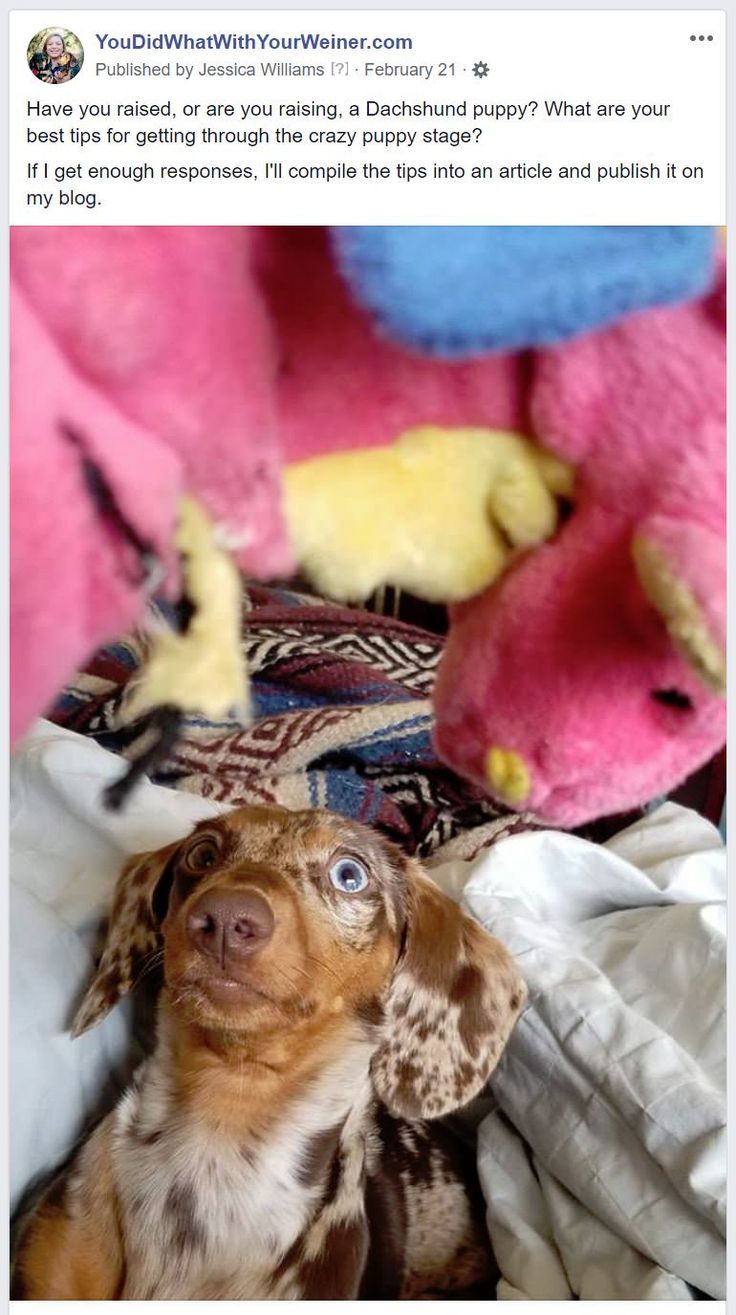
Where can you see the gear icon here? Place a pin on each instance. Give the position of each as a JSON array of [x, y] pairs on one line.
[[480, 69]]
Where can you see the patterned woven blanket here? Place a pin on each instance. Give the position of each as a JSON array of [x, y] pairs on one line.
[[342, 721]]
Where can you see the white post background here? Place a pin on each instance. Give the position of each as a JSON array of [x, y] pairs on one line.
[[601, 58]]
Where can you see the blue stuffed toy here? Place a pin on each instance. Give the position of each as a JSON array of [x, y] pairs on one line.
[[458, 292]]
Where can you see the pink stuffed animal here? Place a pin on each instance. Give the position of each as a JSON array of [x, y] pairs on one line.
[[73, 581], [166, 360], [141, 366], [344, 386], [169, 324], [591, 677], [185, 359]]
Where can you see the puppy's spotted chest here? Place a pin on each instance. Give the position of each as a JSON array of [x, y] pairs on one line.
[[208, 1214], [212, 1215]]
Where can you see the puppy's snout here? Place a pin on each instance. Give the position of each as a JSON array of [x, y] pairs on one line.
[[230, 924]]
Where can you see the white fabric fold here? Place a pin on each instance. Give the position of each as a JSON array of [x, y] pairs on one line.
[[66, 851], [614, 1080]]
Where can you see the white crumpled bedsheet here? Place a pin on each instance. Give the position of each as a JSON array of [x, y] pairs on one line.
[[604, 1162], [65, 854], [604, 1166]]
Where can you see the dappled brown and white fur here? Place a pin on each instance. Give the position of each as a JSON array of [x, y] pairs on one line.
[[321, 999]]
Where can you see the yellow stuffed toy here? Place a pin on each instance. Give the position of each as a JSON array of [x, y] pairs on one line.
[[438, 513], [200, 668]]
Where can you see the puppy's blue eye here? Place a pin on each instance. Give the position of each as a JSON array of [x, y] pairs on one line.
[[349, 876]]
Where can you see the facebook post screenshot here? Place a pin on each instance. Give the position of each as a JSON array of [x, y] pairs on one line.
[[367, 675]]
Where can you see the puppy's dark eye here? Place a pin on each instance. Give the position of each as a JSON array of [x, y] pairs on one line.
[[673, 698], [348, 876], [202, 855]]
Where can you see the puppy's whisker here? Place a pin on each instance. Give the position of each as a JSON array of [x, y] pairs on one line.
[[155, 960], [284, 976], [319, 963], [297, 969]]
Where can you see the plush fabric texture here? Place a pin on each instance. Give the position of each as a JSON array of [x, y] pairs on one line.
[[342, 385], [438, 513], [168, 324], [204, 353], [74, 580], [140, 361], [228, 351], [566, 663], [462, 291], [200, 360]]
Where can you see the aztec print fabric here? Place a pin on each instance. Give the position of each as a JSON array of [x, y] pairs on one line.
[[342, 720]]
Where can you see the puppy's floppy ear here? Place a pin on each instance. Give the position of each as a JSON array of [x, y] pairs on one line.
[[451, 1004], [133, 935]]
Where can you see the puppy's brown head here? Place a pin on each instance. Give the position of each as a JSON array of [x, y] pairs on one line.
[[266, 917]]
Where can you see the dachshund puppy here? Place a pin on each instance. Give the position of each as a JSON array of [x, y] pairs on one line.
[[321, 999]]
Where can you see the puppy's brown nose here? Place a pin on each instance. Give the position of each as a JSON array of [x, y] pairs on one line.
[[229, 924]]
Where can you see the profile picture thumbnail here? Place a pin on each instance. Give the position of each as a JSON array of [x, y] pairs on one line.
[[55, 55]]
